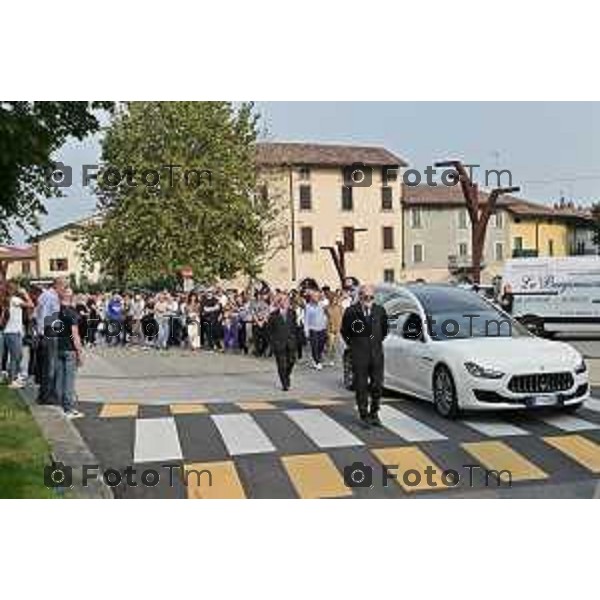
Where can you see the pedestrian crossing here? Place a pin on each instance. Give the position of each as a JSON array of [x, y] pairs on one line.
[[495, 428], [299, 449], [324, 431], [498, 456], [156, 440], [406, 427], [242, 435]]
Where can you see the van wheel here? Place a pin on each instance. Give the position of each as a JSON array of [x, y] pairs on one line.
[[444, 393]]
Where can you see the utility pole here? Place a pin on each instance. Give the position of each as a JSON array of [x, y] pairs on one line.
[[479, 213]]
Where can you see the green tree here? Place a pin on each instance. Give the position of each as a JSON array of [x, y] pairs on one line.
[[29, 133], [203, 211]]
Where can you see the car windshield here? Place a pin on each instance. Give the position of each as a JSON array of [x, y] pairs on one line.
[[458, 314], [383, 294]]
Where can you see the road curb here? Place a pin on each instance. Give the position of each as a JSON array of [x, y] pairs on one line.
[[67, 445]]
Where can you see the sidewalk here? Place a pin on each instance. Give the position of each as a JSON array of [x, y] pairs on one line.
[[122, 375]]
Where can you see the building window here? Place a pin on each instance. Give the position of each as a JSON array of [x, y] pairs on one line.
[[304, 173], [388, 238], [25, 267], [550, 247], [415, 218], [389, 174], [348, 235], [306, 239], [347, 202], [389, 276], [518, 243], [387, 201], [498, 220], [462, 218], [463, 249], [59, 264], [305, 197], [499, 252], [418, 253]]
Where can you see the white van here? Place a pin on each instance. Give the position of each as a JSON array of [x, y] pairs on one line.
[[554, 295]]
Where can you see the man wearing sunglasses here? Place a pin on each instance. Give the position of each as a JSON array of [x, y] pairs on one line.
[[364, 327]]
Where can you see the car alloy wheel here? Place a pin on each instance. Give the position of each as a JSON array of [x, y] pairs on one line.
[[444, 393]]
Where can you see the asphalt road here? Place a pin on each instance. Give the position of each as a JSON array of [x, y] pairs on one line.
[[217, 426]]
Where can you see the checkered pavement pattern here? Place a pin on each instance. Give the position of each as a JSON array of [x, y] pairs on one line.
[[309, 448]]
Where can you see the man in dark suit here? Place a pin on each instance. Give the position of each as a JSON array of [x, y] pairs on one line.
[[283, 335], [364, 327]]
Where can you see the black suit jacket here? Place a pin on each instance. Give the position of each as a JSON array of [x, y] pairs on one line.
[[282, 331], [365, 335]]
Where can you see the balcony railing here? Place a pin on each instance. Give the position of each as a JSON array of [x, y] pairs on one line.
[[524, 253]]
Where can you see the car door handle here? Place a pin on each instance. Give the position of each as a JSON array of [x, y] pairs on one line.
[[427, 358]]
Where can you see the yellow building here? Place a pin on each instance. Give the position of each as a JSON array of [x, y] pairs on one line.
[[538, 230], [317, 209], [59, 254]]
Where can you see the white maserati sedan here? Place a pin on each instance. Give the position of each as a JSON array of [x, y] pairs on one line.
[[452, 347]]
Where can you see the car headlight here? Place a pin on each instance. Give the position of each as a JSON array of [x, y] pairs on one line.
[[484, 372], [581, 367]]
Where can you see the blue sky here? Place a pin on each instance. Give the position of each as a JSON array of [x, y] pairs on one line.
[[551, 148]]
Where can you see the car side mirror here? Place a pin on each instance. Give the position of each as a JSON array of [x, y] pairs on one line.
[[412, 329]]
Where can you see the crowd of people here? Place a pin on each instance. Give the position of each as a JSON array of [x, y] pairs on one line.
[[43, 331], [213, 319]]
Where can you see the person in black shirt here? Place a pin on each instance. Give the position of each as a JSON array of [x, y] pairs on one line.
[[282, 333], [82, 312], [507, 299], [364, 327], [69, 354], [211, 313], [93, 320]]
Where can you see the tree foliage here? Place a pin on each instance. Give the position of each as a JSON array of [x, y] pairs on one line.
[[29, 133], [214, 223]]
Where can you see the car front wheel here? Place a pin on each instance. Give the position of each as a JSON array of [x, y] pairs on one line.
[[444, 393]]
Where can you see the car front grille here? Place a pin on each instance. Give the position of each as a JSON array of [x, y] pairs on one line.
[[541, 383]]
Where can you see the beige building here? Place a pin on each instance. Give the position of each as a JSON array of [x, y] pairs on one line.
[[318, 209], [18, 261], [390, 232], [437, 233], [59, 254]]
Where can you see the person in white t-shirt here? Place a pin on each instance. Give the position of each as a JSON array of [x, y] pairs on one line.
[[13, 332]]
